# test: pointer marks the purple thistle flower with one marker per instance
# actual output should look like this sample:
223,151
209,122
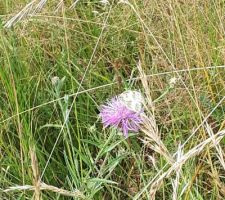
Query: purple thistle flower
115,113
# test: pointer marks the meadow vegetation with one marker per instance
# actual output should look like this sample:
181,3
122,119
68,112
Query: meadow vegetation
59,63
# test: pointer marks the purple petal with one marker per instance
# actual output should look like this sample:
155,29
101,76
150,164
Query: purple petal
114,113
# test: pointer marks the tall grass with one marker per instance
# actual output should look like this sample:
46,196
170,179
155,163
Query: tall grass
60,60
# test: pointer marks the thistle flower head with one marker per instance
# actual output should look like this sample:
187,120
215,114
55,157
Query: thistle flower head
117,113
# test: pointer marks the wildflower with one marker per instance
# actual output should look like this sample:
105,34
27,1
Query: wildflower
117,113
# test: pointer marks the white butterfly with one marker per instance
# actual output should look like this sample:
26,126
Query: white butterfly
134,100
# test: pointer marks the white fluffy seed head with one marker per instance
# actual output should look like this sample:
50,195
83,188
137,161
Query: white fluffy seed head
134,100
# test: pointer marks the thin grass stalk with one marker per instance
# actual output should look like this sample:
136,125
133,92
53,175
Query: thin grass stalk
43,186
215,139
36,175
